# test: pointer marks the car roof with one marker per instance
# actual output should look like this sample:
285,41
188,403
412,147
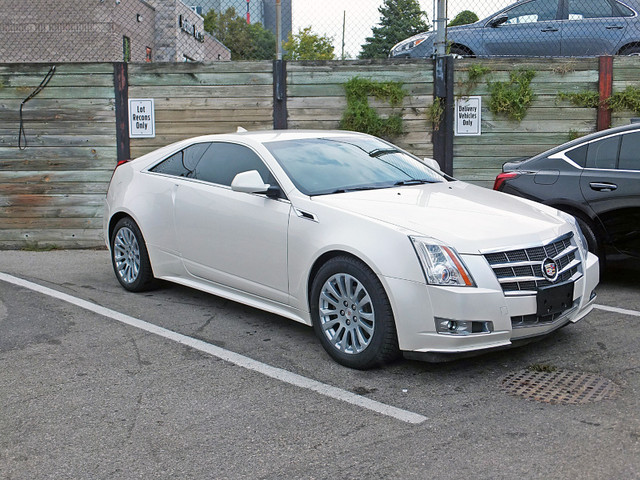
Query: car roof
263,136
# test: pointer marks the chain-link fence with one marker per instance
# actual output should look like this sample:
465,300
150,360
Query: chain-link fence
211,30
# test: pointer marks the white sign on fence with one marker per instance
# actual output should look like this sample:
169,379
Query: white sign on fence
468,116
142,118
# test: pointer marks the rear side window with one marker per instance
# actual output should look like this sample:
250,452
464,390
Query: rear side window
578,155
624,10
603,153
579,9
171,166
630,152
223,161
183,163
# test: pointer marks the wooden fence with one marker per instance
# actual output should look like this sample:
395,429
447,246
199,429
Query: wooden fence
51,193
549,121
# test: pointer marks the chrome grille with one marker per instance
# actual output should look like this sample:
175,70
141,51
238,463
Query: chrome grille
520,271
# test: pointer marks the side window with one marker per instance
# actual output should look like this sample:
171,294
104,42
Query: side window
534,11
630,152
223,161
193,154
578,155
603,153
579,9
172,166
624,10
183,163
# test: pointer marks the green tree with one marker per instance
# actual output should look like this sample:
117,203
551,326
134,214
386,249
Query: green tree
306,45
399,19
246,41
463,18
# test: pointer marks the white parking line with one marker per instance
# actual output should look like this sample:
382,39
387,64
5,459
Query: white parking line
231,357
624,311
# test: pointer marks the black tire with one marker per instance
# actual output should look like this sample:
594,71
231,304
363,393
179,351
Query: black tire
631,51
129,257
356,326
463,52
593,245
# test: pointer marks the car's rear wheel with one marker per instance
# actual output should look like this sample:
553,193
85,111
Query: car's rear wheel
130,258
352,315
633,51
458,51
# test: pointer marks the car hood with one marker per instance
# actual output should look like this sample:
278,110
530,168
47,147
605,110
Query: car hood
469,218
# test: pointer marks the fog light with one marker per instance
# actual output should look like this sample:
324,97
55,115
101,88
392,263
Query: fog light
462,327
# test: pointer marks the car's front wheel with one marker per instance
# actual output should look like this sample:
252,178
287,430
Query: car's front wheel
352,315
130,258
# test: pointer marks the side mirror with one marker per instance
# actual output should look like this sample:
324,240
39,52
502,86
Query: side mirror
499,20
251,182
432,164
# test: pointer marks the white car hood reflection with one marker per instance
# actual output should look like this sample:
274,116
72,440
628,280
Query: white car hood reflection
467,217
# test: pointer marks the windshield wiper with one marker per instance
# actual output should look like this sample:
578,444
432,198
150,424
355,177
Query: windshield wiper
382,151
357,189
414,181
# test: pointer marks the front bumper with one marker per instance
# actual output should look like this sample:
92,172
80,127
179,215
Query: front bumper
417,306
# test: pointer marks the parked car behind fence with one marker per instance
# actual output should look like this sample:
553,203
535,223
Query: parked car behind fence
548,28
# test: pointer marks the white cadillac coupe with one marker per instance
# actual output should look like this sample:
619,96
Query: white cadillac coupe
377,249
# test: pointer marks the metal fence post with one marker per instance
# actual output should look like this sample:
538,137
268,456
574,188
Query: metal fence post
443,133
121,91
280,94
440,42
605,88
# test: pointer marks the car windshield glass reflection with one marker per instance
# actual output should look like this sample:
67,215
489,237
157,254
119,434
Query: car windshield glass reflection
341,164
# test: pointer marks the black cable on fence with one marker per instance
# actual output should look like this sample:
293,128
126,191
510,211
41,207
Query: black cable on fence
47,78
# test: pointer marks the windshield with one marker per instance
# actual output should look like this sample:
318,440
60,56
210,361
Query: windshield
319,166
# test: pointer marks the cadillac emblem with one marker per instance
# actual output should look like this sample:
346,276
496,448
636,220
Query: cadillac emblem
550,269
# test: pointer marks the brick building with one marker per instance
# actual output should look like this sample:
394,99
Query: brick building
104,31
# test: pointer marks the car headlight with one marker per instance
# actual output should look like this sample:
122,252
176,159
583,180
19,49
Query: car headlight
412,42
581,241
441,264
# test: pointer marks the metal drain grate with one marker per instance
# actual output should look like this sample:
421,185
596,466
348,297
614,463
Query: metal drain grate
560,387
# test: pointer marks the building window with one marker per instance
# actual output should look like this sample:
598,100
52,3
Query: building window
147,58
126,49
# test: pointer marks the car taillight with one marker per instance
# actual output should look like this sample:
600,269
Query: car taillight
120,162
500,179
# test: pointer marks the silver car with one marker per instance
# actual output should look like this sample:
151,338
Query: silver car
548,28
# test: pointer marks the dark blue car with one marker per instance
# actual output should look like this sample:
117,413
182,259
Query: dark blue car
548,28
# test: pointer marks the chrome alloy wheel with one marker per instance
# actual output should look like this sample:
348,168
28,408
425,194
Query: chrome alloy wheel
126,255
347,317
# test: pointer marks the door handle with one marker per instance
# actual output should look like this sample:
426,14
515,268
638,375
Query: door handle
550,29
603,187
614,27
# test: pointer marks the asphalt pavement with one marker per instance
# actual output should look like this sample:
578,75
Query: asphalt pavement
100,383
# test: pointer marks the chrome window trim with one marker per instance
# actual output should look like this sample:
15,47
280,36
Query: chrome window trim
562,155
